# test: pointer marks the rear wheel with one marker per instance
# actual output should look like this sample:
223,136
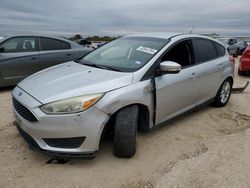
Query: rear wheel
223,94
126,131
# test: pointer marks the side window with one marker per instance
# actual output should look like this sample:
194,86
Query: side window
53,44
20,44
204,50
220,49
181,53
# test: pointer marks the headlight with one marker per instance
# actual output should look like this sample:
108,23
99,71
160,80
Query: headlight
72,105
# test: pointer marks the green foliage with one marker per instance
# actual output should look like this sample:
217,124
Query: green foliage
77,37
98,38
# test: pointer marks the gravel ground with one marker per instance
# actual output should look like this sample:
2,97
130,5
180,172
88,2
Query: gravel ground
207,148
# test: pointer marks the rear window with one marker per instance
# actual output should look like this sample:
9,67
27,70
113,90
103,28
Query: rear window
205,50
53,44
220,49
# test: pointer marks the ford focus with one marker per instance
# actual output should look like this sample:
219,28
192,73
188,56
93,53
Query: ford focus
137,82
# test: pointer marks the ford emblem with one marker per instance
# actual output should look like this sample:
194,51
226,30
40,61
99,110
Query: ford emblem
20,93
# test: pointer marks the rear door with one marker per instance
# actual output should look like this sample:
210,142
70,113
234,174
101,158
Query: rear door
19,59
54,51
177,93
209,67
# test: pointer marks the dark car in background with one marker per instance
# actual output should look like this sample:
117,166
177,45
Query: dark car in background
85,43
234,46
21,56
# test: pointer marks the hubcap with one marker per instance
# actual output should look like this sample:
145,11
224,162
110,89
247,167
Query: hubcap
225,92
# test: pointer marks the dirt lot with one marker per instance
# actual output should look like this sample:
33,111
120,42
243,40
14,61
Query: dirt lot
208,148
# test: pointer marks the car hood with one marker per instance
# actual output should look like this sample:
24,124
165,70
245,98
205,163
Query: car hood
72,79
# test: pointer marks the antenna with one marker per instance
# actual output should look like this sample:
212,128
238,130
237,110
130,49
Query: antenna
192,29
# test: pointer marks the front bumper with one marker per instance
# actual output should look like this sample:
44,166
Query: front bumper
35,147
85,128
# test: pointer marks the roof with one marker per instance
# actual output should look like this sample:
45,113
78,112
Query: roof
168,35
36,35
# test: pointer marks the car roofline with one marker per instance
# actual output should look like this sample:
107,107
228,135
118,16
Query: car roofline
36,35
169,35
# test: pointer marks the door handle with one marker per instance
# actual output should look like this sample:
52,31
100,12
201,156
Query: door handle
33,58
68,54
193,76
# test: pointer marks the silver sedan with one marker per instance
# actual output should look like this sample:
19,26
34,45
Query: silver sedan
137,82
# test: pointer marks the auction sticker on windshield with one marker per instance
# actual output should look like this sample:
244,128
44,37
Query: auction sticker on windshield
147,50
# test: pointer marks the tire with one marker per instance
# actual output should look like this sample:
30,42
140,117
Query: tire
126,131
223,94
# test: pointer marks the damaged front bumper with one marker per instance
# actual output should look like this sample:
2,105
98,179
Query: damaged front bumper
69,135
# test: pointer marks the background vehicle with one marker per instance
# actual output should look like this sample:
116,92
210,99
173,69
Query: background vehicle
244,65
247,41
234,46
86,43
132,83
21,56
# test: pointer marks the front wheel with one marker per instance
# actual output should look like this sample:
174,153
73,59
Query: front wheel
223,94
126,131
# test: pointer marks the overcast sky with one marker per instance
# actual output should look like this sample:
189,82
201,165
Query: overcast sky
119,17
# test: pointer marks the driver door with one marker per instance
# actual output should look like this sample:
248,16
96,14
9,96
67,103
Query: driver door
177,93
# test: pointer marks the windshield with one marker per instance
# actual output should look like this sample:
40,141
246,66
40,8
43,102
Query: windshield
126,54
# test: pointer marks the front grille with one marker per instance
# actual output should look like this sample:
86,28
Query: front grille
23,111
65,142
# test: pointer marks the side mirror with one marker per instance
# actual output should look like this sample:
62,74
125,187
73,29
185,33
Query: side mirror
1,49
170,67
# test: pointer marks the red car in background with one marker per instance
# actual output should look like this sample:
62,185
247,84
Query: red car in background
244,65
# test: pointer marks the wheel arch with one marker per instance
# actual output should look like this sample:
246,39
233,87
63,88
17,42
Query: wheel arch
230,78
144,115
143,121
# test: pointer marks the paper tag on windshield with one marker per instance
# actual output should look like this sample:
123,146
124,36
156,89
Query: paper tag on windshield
147,50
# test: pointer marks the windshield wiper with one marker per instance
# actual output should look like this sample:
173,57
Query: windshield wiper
102,66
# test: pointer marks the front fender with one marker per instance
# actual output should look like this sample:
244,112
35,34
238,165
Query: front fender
138,93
